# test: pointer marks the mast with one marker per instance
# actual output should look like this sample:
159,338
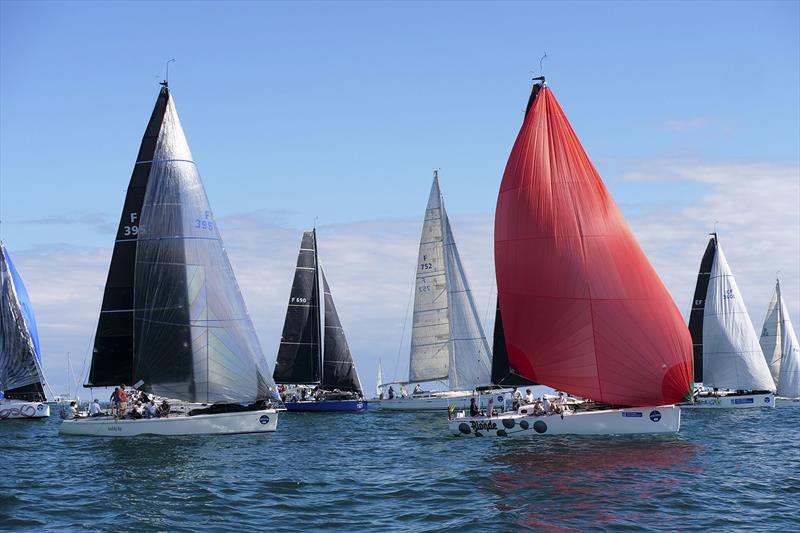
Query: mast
320,309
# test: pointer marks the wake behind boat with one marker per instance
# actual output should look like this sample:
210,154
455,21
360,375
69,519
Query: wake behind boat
306,356
730,371
447,338
173,321
583,311
21,376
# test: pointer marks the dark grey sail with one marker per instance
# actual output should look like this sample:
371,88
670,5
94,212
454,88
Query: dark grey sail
338,369
21,375
299,360
112,356
502,373
698,306
191,338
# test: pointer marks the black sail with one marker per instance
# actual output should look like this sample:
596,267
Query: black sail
502,373
338,369
699,305
299,357
112,357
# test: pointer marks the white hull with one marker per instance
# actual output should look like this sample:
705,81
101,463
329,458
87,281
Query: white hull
217,424
629,421
746,401
14,409
782,402
437,401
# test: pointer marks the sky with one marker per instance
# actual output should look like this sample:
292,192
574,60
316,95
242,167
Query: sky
340,111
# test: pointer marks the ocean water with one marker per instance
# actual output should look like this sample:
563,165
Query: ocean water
726,470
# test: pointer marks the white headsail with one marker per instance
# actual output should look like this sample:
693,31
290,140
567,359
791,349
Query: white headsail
732,357
771,334
780,346
447,339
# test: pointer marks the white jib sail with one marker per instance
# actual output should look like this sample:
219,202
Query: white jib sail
470,363
379,384
771,334
732,357
789,380
430,330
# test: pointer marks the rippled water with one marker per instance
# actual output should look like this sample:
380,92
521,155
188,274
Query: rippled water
403,471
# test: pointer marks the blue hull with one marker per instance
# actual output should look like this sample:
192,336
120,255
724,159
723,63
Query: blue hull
327,406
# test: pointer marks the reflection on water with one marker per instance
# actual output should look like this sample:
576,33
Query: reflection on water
559,483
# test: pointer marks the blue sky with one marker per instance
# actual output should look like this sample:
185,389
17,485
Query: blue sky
341,110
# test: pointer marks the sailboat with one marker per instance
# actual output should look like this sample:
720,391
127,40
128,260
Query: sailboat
447,338
583,310
729,368
173,322
308,357
781,350
21,377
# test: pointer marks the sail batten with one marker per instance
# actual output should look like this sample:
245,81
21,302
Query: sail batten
582,308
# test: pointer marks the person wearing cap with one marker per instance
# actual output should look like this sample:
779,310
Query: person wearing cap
547,404
94,408
561,403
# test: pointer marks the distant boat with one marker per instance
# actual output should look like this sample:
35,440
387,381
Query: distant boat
781,349
583,311
308,357
447,339
21,377
728,361
173,322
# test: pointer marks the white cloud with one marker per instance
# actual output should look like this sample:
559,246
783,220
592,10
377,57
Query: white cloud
371,264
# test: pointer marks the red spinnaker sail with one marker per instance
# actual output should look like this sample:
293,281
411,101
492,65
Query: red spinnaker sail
583,309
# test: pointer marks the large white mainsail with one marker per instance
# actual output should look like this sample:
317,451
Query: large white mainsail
732,357
780,346
447,339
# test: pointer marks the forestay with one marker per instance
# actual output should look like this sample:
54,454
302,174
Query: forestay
732,357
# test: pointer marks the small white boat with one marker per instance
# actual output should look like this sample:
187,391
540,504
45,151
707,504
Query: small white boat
261,421
728,358
173,321
731,401
632,420
19,409
583,310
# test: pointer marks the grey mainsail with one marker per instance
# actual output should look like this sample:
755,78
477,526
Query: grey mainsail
447,338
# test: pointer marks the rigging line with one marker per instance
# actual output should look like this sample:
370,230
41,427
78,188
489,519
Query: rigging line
405,322
488,304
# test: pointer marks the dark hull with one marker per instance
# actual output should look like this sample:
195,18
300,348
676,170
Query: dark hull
327,406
